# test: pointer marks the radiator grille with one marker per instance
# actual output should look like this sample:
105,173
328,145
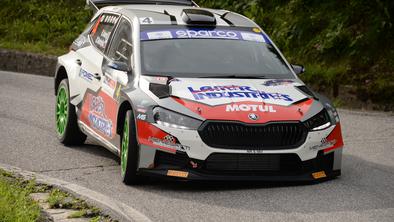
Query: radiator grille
271,136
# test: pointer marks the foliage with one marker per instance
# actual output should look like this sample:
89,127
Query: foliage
347,42
15,204
41,25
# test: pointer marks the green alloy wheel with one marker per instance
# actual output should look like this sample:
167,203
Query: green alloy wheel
129,152
61,110
67,128
125,146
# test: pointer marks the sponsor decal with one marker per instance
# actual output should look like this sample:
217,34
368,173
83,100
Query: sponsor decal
252,37
324,143
168,143
160,35
109,82
249,108
233,91
85,75
109,85
256,30
97,117
278,82
204,34
255,151
170,139
141,116
207,34
141,109
80,41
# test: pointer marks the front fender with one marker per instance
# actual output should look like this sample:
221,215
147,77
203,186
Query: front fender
68,64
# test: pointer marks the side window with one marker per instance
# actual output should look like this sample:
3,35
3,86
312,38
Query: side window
121,48
90,26
102,30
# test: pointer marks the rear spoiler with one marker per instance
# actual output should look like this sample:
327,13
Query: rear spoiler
95,5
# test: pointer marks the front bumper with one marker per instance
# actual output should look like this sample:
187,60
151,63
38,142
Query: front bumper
276,168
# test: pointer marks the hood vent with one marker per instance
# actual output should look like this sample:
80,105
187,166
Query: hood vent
198,17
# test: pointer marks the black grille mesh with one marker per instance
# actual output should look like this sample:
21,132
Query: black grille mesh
253,162
233,135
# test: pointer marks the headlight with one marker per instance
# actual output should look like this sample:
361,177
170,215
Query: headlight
168,118
320,121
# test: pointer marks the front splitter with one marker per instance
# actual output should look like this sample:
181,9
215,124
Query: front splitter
193,175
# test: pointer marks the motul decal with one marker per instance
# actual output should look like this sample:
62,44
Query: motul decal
241,111
250,108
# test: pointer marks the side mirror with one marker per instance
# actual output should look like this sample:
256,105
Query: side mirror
298,69
119,71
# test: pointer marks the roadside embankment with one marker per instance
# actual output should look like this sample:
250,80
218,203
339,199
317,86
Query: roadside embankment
25,62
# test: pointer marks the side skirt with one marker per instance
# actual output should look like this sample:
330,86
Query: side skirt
86,129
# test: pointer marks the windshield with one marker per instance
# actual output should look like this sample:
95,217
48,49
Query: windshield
201,52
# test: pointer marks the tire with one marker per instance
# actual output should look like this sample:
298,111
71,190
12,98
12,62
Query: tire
129,152
67,129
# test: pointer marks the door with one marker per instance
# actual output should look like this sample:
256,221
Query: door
92,57
97,106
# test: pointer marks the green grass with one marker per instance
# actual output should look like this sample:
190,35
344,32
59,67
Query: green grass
63,200
42,26
86,213
15,204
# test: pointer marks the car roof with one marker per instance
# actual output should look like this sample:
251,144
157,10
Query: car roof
172,14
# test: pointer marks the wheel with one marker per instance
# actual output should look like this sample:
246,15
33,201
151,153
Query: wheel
129,154
67,128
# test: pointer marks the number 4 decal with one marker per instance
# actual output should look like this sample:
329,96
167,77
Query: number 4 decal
146,20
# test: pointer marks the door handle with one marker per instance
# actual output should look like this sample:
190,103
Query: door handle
79,62
97,76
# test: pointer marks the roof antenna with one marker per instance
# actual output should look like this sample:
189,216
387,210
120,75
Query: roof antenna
90,4
195,4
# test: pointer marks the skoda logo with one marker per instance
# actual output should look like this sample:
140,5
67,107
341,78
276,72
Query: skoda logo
253,116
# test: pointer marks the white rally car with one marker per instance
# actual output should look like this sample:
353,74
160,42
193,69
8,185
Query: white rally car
184,92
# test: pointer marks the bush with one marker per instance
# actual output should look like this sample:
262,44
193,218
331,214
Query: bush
51,26
346,42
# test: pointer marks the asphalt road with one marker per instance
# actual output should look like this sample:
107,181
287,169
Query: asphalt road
365,191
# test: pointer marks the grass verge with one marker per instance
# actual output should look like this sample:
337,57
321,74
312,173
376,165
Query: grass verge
15,203
62,200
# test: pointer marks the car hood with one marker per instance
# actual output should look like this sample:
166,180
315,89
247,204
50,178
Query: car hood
215,92
242,99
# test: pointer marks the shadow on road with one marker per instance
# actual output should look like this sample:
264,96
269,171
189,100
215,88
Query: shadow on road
361,186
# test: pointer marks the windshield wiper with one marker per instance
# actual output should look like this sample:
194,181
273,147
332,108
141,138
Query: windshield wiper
234,77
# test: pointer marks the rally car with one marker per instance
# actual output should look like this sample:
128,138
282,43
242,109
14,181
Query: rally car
183,92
